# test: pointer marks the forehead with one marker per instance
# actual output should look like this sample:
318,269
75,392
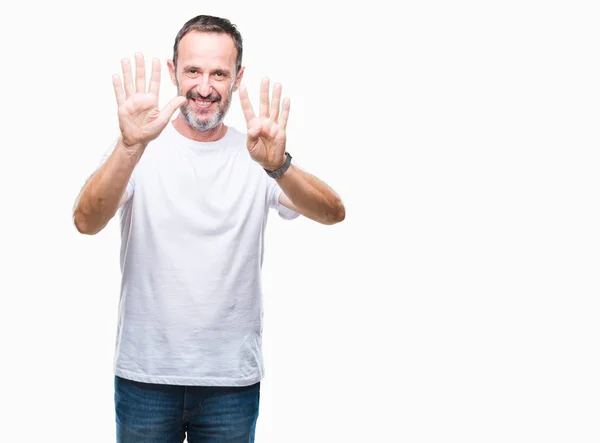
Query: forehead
207,48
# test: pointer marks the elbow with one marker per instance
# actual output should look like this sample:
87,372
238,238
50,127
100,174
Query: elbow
337,215
82,225
340,213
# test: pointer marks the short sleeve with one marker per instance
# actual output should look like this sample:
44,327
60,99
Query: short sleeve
130,184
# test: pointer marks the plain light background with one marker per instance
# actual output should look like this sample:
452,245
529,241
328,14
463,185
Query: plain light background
458,301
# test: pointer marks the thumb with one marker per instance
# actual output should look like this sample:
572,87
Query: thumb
169,110
253,132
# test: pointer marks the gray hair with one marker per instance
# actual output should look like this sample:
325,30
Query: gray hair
208,23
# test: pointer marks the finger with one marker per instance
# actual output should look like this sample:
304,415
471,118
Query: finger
169,110
155,77
285,112
274,115
246,105
253,133
119,94
127,81
140,73
263,110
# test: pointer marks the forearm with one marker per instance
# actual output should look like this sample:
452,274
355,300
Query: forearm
101,195
313,198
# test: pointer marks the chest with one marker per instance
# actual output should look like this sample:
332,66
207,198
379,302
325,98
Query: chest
207,193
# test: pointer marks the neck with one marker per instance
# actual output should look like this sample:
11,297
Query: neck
211,135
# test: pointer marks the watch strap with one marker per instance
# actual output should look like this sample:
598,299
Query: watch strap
279,172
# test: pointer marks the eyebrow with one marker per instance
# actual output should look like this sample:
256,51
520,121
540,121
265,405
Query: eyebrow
198,68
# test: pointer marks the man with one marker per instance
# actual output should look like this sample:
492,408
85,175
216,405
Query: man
194,198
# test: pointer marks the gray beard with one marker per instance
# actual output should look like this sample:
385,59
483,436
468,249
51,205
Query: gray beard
202,125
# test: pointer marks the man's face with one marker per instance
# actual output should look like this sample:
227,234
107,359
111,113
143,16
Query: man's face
206,76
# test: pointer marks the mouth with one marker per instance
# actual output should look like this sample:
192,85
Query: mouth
203,104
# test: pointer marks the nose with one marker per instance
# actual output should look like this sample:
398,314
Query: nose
204,86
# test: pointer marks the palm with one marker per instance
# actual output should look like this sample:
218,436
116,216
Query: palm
137,118
269,146
266,138
140,120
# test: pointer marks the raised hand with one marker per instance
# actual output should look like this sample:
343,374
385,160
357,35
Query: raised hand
140,120
266,133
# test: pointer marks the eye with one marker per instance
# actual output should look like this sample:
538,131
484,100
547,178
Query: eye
220,74
192,72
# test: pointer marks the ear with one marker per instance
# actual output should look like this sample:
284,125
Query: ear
238,78
172,71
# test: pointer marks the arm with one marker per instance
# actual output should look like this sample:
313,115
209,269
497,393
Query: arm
266,141
104,192
309,196
140,122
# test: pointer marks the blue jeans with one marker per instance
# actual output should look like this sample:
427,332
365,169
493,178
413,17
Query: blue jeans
152,413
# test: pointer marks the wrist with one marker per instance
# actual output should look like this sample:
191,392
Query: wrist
131,151
281,169
274,166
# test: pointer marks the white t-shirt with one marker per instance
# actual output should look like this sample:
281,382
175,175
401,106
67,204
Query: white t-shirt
192,236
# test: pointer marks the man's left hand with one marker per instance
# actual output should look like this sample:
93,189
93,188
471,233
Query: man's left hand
266,133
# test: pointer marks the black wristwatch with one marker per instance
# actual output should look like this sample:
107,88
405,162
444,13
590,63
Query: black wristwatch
279,172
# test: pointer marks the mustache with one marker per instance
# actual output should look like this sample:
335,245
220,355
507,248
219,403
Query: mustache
194,95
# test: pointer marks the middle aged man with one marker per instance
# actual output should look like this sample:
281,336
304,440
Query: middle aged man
194,198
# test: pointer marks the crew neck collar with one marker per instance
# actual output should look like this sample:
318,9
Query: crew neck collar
201,146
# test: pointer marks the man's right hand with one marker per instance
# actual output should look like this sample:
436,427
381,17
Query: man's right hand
140,120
